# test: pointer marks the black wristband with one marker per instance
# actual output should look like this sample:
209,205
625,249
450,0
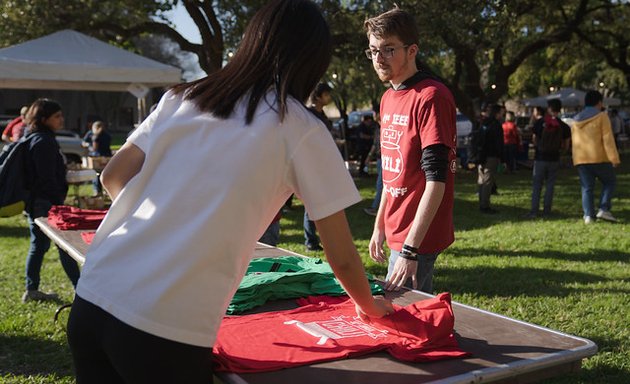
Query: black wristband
410,248
405,254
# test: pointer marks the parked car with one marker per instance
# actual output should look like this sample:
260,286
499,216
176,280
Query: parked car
71,146
69,142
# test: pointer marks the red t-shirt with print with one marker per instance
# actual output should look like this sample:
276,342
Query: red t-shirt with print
412,119
419,332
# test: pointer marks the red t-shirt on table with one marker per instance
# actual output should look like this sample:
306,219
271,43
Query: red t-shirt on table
412,119
419,332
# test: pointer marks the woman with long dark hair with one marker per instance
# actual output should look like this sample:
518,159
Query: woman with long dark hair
47,171
193,188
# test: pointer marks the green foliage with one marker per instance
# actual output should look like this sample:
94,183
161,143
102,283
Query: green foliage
21,20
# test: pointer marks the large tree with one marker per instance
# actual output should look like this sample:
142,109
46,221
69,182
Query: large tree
608,33
480,44
476,46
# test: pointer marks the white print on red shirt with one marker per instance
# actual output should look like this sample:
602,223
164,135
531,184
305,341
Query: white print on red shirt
391,157
395,192
338,328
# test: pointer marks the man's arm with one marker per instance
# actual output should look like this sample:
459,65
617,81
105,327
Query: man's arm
429,204
610,147
435,161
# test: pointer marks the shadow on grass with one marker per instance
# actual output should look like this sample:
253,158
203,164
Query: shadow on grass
514,281
25,356
595,255
16,232
599,374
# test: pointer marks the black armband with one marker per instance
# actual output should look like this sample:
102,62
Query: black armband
435,162
410,248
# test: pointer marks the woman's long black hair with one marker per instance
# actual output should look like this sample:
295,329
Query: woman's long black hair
286,47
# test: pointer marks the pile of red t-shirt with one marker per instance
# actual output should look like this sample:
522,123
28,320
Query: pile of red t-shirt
88,237
64,217
419,332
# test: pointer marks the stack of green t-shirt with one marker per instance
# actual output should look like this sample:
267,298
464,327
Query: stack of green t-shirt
287,277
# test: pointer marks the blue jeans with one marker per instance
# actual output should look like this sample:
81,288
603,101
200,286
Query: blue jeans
379,184
544,171
424,275
40,243
606,175
310,232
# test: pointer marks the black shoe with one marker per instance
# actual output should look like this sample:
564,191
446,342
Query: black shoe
488,211
314,247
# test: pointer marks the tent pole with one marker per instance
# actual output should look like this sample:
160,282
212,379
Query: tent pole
142,109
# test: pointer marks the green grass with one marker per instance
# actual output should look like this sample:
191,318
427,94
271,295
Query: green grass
558,273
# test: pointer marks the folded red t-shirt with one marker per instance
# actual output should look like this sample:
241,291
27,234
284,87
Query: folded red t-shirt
419,332
65,217
88,237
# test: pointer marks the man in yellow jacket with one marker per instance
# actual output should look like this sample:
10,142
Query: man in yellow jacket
595,154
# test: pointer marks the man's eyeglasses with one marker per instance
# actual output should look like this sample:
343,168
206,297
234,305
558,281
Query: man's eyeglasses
386,53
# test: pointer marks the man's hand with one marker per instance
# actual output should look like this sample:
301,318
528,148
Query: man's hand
403,270
382,307
377,253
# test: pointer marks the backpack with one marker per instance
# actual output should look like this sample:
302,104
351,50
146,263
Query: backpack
15,182
551,137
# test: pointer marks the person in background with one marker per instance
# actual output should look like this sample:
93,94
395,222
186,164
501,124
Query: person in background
511,141
551,137
366,139
376,151
16,127
595,156
616,124
98,141
418,153
47,171
490,157
189,204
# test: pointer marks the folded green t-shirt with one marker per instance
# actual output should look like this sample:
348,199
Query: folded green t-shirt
287,277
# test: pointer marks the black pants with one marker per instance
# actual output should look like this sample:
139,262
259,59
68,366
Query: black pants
106,350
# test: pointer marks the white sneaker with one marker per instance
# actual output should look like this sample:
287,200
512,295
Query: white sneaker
606,215
588,220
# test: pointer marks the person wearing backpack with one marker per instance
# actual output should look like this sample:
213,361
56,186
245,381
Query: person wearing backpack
595,156
550,136
47,172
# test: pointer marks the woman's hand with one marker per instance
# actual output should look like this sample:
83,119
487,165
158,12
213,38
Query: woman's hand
382,307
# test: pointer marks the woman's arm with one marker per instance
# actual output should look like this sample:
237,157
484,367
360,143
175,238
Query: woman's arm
347,266
121,168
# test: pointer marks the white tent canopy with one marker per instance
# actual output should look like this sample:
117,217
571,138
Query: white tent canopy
570,98
69,60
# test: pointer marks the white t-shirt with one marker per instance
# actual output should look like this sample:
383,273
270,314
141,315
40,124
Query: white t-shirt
177,240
